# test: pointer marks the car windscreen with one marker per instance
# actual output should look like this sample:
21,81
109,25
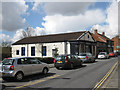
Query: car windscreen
8,61
82,54
60,57
101,53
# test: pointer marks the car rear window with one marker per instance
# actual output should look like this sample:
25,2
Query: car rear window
82,54
101,53
59,57
8,61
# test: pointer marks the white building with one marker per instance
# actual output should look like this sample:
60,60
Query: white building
45,45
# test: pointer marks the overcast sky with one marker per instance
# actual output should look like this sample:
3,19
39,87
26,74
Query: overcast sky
57,17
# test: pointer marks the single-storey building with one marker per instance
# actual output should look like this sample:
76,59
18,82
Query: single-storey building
48,45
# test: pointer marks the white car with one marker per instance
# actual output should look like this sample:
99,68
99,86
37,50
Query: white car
103,55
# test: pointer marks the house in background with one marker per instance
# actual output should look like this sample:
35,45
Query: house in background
116,40
103,43
5,52
45,45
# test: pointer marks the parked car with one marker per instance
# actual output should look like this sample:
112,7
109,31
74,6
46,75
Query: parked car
86,57
103,55
112,54
67,61
20,67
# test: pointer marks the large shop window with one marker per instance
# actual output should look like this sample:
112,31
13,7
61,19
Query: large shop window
44,51
23,51
32,51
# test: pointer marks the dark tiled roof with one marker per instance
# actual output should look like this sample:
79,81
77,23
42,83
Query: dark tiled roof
50,38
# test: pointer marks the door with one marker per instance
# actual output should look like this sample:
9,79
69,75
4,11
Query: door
23,65
36,65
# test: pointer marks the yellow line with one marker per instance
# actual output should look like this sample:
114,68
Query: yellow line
38,81
105,77
114,70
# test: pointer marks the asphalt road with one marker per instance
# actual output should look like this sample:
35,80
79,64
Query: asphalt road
86,76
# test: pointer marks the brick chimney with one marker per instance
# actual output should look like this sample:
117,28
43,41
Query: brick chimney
95,31
103,33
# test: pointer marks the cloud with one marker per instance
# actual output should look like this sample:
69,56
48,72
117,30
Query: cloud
111,29
5,38
63,8
60,23
11,15
66,8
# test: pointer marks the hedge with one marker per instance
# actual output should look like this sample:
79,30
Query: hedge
46,60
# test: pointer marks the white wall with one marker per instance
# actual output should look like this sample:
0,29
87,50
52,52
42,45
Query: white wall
38,47
85,37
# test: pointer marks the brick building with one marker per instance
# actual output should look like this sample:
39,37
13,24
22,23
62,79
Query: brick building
116,40
103,43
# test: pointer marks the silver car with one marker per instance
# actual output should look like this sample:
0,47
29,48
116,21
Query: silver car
86,57
20,67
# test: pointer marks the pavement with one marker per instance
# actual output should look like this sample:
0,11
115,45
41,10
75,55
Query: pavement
113,80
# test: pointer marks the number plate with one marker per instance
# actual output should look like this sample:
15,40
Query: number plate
59,61
82,58
3,73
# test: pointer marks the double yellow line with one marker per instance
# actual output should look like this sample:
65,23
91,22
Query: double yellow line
105,77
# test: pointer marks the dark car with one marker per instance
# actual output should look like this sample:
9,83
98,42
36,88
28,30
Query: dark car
67,61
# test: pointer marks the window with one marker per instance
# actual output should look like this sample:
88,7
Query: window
44,51
32,51
17,52
23,61
34,61
8,62
23,51
88,36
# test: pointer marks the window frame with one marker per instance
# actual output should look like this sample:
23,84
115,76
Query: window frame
44,53
22,51
33,51
17,52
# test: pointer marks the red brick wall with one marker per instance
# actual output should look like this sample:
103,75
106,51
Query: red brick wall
116,43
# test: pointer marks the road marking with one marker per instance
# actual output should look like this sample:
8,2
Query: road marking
105,77
35,82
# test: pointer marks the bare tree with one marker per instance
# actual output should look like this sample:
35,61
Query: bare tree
5,44
28,32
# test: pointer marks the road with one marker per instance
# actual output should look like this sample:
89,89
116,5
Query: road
86,76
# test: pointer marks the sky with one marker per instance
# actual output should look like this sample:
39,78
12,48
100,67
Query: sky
57,17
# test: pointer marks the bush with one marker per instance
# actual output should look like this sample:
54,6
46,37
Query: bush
46,60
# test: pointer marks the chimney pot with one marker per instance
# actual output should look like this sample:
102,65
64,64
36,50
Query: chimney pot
95,31
103,33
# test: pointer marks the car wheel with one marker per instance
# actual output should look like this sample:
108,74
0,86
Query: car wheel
45,71
19,76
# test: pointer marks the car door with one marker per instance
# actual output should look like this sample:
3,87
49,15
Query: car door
23,65
36,65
